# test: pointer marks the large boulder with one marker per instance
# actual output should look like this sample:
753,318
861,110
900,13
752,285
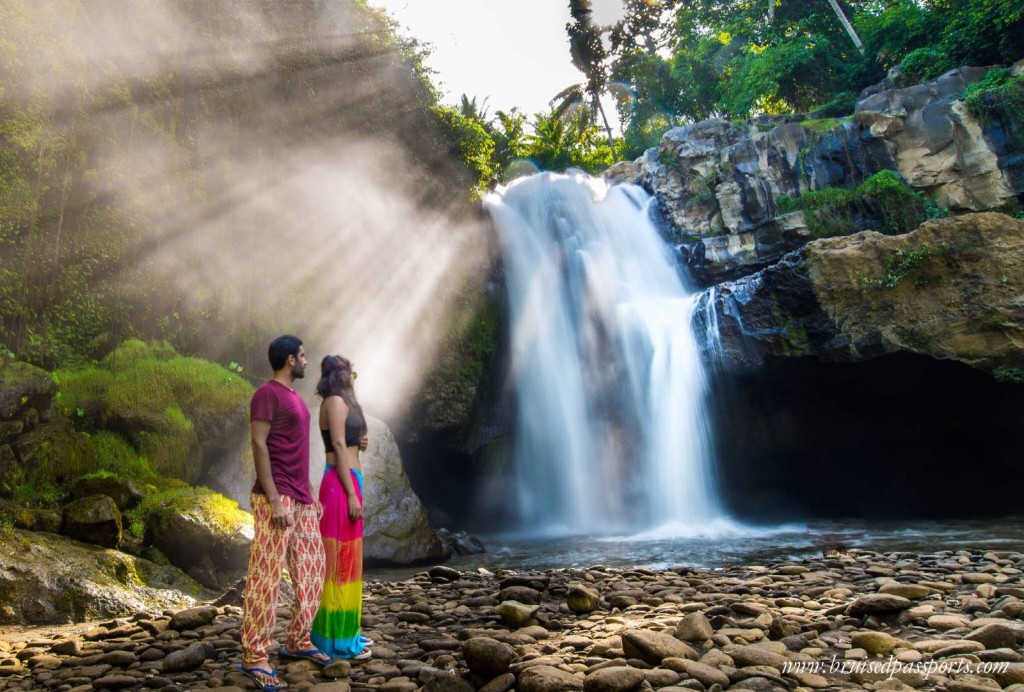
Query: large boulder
51,453
93,519
50,579
396,528
24,387
395,523
228,465
123,491
949,290
203,533
35,446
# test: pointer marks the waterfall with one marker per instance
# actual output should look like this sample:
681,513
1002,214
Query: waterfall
611,430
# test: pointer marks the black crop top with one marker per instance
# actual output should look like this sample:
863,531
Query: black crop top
354,425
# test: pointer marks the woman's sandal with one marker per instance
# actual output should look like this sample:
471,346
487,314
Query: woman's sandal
362,655
264,679
315,655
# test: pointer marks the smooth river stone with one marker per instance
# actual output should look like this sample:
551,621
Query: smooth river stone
912,591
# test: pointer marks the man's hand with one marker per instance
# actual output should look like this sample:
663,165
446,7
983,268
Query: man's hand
280,517
319,509
364,441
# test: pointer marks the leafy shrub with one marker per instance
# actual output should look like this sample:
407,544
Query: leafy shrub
925,63
840,106
833,211
998,94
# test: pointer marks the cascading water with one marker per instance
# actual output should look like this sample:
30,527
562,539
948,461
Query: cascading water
611,429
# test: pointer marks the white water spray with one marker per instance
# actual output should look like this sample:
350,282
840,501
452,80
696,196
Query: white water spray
611,429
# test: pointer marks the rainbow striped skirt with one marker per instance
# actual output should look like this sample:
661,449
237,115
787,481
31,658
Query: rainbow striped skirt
336,627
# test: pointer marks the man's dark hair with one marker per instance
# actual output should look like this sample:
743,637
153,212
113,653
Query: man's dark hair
281,348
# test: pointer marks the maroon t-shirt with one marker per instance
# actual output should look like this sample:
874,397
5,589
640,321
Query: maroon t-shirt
288,441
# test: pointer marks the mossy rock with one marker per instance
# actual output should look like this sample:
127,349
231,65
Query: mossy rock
49,579
24,386
200,531
123,491
94,519
52,454
29,518
171,409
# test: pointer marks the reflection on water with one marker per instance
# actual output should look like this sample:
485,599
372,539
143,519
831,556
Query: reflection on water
730,544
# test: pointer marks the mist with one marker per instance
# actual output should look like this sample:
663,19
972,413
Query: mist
258,167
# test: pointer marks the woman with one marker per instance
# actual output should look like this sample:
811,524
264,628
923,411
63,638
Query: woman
336,627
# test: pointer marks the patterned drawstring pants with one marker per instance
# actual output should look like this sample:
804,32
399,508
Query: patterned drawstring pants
301,548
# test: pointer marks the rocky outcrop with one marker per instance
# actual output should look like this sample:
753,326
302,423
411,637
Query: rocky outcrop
953,290
716,183
51,579
939,148
395,523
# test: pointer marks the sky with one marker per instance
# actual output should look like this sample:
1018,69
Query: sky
511,52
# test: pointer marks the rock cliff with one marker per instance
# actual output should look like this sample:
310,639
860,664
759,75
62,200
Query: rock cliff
720,187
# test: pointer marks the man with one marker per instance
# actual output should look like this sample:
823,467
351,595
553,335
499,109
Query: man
286,518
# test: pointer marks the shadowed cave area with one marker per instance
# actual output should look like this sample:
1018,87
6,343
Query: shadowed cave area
902,436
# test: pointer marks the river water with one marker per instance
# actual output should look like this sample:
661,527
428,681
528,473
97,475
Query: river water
750,545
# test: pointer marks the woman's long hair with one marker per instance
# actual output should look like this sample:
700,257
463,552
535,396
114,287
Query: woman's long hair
336,380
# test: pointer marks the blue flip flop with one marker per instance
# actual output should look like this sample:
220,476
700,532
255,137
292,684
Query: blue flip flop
254,675
310,655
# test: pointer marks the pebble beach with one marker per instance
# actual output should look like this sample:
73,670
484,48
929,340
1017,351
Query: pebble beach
852,620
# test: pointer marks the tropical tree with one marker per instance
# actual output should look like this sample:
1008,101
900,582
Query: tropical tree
588,55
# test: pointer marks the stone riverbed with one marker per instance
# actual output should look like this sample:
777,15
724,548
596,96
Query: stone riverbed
854,620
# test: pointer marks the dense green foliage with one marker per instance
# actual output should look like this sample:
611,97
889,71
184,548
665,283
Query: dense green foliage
686,61
833,211
999,94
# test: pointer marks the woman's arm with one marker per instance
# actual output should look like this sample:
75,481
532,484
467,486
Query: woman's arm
337,412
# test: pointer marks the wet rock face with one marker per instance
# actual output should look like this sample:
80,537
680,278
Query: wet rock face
949,290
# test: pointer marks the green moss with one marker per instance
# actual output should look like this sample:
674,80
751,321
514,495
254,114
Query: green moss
795,340
115,457
159,396
209,506
832,211
39,493
822,126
